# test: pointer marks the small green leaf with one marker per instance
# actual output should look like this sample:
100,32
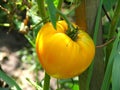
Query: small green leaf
52,12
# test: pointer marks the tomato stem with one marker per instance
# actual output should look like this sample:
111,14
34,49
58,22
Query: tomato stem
46,82
68,22
72,31
43,14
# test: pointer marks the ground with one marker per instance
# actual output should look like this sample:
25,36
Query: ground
10,43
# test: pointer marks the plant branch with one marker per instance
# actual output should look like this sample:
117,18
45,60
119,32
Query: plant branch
4,9
106,43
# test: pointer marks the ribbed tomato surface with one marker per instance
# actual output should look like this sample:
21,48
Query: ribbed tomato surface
59,55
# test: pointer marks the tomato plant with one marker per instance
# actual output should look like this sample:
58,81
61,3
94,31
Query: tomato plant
60,56
64,49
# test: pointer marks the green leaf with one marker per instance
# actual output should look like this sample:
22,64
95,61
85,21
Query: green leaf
96,30
9,80
52,12
109,4
112,32
115,20
98,18
116,71
107,77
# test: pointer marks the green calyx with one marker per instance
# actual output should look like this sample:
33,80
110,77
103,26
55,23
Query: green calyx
73,33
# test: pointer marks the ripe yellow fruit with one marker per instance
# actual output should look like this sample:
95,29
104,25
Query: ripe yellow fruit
59,55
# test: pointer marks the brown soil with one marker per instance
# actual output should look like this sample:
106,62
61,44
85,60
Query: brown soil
10,62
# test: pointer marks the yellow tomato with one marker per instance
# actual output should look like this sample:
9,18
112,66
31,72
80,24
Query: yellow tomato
59,55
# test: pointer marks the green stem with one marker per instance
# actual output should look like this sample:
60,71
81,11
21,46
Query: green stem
59,4
43,14
58,88
72,31
34,84
59,8
66,19
46,82
30,41
42,10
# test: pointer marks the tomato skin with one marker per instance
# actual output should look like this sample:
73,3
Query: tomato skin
59,55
